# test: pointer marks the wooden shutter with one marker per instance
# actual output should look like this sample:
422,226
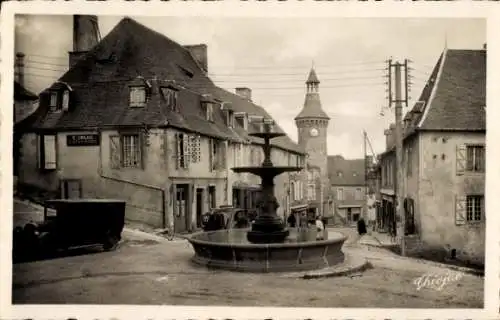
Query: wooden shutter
49,143
460,210
178,149
187,150
211,154
65,100
222,154
39,152
143,148
114,152
461,159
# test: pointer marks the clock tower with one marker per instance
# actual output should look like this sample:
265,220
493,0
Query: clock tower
312,125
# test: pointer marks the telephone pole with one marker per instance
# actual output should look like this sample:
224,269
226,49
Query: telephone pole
398,110
365,204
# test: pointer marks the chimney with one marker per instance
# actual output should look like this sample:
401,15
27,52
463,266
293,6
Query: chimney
244,93
86,35
199,53
19,68
484,46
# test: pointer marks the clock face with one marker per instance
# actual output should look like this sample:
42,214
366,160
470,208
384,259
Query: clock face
314,132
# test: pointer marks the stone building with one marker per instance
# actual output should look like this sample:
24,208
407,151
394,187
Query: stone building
312,125
347,188
136,117
444,156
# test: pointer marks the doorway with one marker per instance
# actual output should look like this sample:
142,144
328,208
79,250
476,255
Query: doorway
181,207
212,197
199,207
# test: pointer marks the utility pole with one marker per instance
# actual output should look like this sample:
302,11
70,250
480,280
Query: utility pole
398,110
365,205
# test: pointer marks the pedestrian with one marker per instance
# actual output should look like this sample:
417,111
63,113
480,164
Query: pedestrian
361,227
292,221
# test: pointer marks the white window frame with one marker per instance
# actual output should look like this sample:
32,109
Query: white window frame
47,145
209,109
54,99
474,208
340,194
131,150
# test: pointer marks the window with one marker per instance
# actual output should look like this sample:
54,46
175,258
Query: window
311,192
358,195
470,158
194,147
339,174
292,191
65,101
469,209
217,150
212,197
137,96
131,150
183,150
237,149
474,208
475,158
46,153
53,100
409,162
209,108
241,119
340,194
230,118
170,97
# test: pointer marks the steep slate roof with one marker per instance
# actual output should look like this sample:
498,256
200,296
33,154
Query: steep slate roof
312,104
100,88
21,93
353,171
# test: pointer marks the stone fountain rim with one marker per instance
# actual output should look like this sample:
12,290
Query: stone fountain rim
192,239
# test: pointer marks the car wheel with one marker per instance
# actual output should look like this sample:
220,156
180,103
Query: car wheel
111,243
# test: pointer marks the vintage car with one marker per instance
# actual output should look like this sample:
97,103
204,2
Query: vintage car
226,217
73,223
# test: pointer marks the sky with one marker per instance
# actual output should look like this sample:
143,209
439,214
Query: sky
273,57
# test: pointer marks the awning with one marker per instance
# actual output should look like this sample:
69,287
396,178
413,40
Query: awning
245,185
389,192
299,207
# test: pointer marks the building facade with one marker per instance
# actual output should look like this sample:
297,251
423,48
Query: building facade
347,188
147,125
312,126
444,161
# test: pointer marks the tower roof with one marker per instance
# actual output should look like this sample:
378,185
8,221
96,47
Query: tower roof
313,78
312,104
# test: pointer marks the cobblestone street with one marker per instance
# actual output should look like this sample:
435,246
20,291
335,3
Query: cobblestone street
150,270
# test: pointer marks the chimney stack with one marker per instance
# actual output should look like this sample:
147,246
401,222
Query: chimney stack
86,35
484,46
19,68
199,53
244,93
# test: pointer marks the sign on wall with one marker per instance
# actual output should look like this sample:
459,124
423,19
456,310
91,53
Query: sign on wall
76,140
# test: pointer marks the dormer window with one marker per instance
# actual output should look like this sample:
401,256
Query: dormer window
137,97
207,103
59,96
241,119
138,92
170,96
53,99
230,118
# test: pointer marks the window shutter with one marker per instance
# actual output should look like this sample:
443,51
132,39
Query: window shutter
143,149
211,154
114,152
178,149
65,100
460,210
461,159
50,152
222,155
187,149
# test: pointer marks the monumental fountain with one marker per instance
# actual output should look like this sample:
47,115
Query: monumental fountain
269,246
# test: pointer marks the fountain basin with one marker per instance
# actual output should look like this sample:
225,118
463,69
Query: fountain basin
230,250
